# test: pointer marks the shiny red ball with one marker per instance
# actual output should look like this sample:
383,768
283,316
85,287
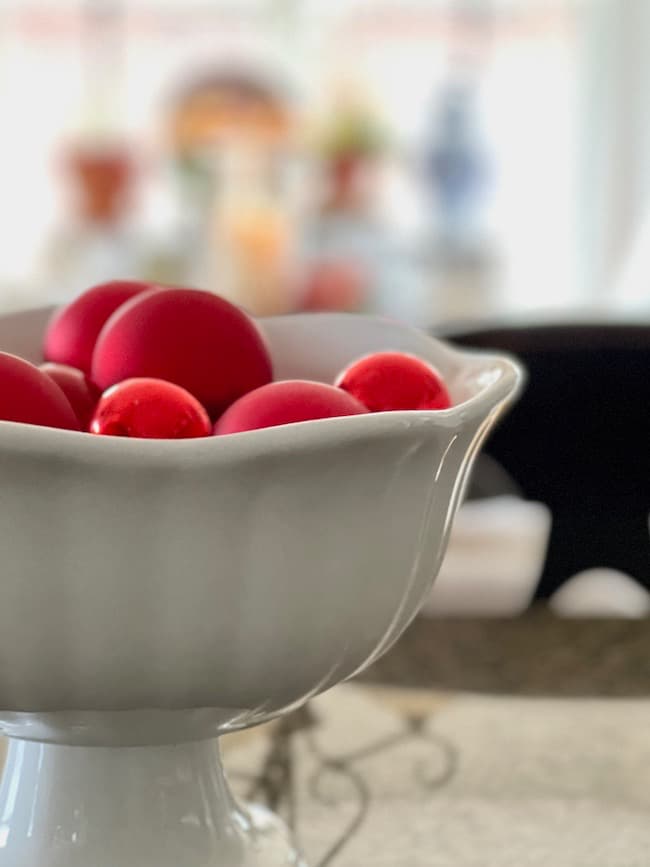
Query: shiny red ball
73,330
28,395
192,338
82,394
151,409
286,402
395,381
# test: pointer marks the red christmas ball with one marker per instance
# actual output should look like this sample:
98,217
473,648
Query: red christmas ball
192,338
73,330
394,381
28,395
149,408
286,402
82,394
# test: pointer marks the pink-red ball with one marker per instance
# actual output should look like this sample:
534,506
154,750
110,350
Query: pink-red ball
395,381
73,330
186,336
287,402
151,409
28,395
82,394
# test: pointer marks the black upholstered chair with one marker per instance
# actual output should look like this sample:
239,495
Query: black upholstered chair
578,440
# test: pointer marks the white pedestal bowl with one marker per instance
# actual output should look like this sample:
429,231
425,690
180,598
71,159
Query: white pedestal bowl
158,594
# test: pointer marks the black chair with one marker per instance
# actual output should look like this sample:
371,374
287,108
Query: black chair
578,441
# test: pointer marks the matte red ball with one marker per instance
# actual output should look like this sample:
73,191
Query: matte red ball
151,409
395,381
73,330
82,394
186,336
28,395
286,402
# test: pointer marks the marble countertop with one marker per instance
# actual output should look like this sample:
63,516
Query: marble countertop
395,777
472,743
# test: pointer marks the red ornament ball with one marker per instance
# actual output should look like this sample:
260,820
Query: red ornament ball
395,381
28,395
286,402
73,330
82,394
151,409
186,336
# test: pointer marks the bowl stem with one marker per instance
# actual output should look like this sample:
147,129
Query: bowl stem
156,806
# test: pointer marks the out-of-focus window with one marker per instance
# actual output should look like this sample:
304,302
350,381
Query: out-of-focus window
451,149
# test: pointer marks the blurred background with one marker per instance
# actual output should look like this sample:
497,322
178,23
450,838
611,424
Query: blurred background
437,161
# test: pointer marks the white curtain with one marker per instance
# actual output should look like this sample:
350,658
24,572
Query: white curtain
614,152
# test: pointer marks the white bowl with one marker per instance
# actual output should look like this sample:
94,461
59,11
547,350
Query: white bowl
160,593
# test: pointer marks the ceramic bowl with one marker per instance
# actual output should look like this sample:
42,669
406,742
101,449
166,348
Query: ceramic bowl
157,594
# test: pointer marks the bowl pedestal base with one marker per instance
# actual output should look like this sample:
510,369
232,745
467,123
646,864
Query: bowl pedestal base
146,806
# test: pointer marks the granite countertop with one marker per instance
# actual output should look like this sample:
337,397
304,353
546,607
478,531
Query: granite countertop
538,654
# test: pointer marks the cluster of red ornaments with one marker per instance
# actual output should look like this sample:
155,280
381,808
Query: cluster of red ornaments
137,360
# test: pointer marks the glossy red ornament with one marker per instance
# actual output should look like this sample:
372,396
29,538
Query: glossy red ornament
28,395
286,402
186,336
72,332
395,381
82,394
149,408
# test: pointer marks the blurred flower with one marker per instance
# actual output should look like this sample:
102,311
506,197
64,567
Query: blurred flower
352,129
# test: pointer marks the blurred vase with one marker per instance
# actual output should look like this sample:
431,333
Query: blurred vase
458,170
231,138
346,173
102,178
251,232
96,241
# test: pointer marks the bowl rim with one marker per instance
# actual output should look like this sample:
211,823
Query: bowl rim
504,378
